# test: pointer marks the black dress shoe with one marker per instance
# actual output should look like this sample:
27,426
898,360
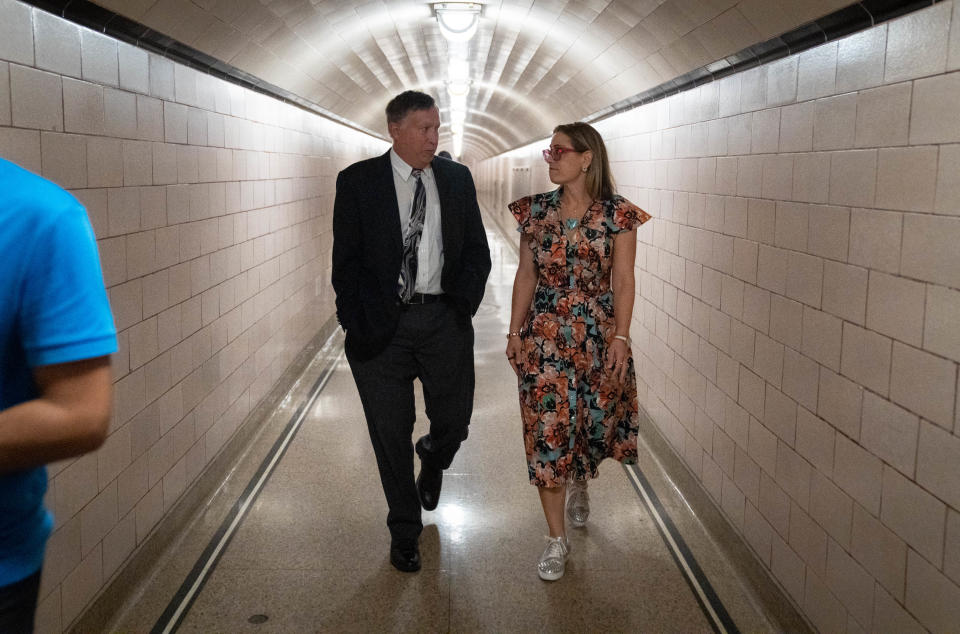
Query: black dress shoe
428,486
405,555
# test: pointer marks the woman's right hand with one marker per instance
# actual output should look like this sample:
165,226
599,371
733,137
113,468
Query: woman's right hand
513,352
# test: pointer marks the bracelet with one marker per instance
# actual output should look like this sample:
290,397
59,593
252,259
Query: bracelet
623,338
515,333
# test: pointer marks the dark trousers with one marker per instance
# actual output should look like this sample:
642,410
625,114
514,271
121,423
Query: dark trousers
18,602
433,343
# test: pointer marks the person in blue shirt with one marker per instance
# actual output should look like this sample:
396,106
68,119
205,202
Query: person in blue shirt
56,335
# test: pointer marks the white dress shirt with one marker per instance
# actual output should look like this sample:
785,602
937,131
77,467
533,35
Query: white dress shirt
430,252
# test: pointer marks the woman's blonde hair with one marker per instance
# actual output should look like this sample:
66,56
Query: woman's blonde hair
584,137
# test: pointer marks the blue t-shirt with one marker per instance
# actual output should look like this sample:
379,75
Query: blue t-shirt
53,309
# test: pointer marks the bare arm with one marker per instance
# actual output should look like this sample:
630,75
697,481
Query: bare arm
623,281
524,286
70,417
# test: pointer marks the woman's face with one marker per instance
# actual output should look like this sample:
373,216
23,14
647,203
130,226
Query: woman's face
568,167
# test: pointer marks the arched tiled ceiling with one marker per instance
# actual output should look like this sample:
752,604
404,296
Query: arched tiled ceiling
533,63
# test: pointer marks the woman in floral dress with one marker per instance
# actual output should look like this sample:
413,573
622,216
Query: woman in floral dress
568,340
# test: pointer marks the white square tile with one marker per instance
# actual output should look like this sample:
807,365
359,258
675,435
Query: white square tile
866,358
804,278
933,119
16,32
917,44
99,58
829,232
137,163
765,131
753,89
739,134
745,260
773,269
161,78
149,119
782,81
929,249
750,176
796,127
906,178
23,148
924,383
860,59
853,178
64,159
83,108
120,113
786,321
104,162
845,291
761,220
875,238
57,44
821,337
883,115
890,432
811,177
834,122
37,99
895,307
134,68
817,72
792,220
175,122
777,177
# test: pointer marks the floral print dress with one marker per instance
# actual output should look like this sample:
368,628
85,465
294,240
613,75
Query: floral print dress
574,411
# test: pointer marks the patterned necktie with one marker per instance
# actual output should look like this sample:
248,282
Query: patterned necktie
411,241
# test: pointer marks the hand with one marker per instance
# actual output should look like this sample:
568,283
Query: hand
513,353
617,357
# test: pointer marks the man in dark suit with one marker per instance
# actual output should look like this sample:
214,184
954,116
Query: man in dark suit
410,261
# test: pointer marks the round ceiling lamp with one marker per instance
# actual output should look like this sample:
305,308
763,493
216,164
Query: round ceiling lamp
458,21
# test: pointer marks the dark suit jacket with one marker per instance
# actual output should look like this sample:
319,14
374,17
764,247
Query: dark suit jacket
367,249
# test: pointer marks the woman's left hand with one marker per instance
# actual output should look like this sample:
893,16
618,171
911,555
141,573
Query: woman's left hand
618,355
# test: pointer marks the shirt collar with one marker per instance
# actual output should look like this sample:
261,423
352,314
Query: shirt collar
402,168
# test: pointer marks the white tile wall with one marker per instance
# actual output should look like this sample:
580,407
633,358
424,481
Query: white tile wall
213,230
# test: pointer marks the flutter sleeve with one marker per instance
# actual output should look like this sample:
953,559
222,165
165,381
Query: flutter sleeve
626,215
521,210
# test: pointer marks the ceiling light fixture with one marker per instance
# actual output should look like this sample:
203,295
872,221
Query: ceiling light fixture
458,88
458,21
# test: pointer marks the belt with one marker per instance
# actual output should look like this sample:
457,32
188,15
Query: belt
423,298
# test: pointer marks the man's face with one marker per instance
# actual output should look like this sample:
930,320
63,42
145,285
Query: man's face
415,137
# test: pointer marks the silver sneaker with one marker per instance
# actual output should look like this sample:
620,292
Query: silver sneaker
578,503
554,558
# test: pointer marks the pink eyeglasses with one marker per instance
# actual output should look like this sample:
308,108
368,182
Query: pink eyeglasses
555,153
